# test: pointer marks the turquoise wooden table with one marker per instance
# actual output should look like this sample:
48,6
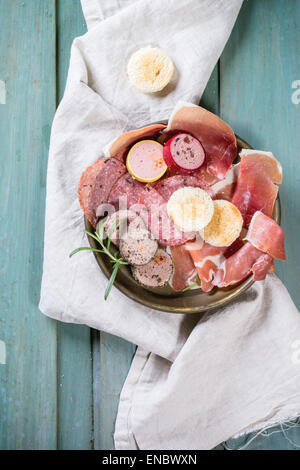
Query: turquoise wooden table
60,384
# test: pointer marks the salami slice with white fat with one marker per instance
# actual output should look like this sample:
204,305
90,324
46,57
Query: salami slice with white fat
168,186
95,185
154,213
125,192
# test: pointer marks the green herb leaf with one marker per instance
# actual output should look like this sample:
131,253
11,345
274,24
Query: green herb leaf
92,235
114,258
111,231
84,248
100,232
195,284
111,280
190,287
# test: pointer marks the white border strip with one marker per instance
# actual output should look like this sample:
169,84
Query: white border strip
2,92
2,353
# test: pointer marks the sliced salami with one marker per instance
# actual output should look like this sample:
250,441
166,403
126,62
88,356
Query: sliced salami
125,192
169,185
95,185
154,213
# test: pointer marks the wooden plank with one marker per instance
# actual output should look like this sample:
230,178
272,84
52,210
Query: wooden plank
70,24
210,98
113,357
258,67
29,378
75,374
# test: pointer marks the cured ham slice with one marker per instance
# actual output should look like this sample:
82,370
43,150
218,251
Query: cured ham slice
184,269
262,266
168,186
256,189
154,213
118,147
207,259
237,267
236,245
216,137
266,161
266,235
205,176
224,189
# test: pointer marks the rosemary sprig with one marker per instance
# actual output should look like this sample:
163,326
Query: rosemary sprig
195,284
115,258
111,279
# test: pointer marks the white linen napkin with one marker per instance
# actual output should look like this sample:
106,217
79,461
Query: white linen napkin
98,105
238,372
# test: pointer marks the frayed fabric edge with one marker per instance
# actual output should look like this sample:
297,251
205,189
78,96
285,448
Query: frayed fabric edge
270,424
260,431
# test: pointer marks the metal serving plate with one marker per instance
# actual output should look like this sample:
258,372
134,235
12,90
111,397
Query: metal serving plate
165,298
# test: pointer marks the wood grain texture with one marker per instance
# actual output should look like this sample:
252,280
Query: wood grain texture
28,381
258,66
113,360
74,358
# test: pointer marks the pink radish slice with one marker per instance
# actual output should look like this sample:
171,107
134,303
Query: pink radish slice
184,152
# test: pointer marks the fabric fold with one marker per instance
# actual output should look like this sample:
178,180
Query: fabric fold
236,373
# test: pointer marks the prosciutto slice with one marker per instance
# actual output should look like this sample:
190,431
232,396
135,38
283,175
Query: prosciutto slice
266,162
207,259
119,146
256,189
262,266
215,135
237,267
266,235
184,269
225,188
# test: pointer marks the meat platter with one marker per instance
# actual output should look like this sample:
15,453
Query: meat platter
191,209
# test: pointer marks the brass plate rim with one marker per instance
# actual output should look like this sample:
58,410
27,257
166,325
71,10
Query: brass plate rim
229,296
